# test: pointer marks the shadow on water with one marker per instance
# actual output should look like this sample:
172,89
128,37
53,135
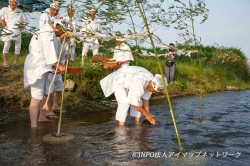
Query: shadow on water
222,138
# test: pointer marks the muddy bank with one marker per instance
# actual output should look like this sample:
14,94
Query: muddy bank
15,112
14,99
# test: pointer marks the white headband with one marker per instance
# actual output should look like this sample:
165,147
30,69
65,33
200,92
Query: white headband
15,1
92,9
60,22
157,82
120,39
171,53
55,5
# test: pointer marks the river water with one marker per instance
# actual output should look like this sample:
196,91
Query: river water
222,138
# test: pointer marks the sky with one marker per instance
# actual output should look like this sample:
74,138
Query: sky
228,25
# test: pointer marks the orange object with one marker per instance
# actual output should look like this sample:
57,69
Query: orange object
98,58
110,65
75,70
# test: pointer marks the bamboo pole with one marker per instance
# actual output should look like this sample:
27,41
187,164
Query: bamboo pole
165,84
65,76
199,60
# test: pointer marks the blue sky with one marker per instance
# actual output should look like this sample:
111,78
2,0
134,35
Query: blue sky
228,25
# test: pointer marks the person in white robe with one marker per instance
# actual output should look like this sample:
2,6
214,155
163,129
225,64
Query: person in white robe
13,22
89,27
122,54
50,14
132,85
41,60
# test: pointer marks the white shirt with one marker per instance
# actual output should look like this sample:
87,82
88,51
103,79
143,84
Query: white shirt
42,55
123,53
46,18
13,19
73,23
133,78
89,26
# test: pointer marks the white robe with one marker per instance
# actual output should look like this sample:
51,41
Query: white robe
123,53
42,55
132,78
89,26
13,19
46,18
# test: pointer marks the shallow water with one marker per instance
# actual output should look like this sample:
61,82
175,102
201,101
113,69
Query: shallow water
222,138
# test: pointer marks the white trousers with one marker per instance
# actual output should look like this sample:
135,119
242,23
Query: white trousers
121,95
7,46
37,89
56,86
58,83
86,48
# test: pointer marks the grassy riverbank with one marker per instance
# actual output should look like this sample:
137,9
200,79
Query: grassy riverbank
209,70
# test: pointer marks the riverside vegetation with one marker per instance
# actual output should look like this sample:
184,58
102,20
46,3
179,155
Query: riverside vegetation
221,67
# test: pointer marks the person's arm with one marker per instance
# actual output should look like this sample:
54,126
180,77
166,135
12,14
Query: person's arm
61,67
2,17
22,26
172,56
23,21
122,62
4,24
146,113
111,59
166,54
145,104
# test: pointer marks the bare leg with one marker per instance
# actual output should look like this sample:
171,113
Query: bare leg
83,58
16,58
57,98
34,111
121,123
42,114
49,113
5,59
137,119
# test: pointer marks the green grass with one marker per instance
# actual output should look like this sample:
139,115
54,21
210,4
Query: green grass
220,67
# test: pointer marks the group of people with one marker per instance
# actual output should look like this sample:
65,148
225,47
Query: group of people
131,85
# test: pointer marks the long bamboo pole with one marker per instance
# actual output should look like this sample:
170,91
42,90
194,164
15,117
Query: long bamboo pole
199,60
65,75
165,84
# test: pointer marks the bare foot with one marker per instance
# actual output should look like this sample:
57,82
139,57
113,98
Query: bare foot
43,120
121,123
51,115
57,108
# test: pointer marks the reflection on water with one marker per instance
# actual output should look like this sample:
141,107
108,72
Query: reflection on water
222,138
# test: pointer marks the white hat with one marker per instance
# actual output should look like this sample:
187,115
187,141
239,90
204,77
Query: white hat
92,9
157,82
121,39
171,53
55,5
60,22
15,1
